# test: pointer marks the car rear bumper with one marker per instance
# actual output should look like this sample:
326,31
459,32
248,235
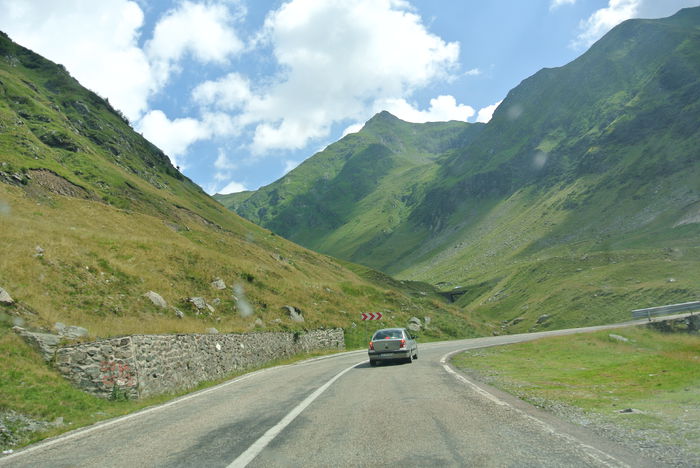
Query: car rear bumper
388,355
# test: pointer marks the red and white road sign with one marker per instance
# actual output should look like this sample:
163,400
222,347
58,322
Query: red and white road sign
371,316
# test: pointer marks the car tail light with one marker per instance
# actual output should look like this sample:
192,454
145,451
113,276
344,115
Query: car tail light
371,346
403,343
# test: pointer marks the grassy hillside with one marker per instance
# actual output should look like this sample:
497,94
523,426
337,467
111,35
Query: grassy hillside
593,165
346,198
93,216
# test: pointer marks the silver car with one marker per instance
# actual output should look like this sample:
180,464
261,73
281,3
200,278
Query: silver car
391,344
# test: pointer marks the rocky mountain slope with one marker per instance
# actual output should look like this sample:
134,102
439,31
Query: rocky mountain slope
582,192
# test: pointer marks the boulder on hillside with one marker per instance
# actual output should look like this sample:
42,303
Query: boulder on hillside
295,314
198,302
542,318
156,299
218,283
414,324
70,331
5,298
45,343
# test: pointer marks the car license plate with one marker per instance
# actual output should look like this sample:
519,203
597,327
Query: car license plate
386,355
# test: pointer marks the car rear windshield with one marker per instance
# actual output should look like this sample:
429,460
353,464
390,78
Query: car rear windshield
387,334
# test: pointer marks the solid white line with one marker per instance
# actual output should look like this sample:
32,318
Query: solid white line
260,444
121,419
598,455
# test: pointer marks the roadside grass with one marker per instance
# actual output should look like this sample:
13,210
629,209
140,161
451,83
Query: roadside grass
655,375
34,389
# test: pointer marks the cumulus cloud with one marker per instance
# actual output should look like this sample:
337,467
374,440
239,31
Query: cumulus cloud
71,31
442,108
232,187
202,30
172,136
617,11
224,169
223,162
228,93
557,3
354,128
484,115
338,58
289,165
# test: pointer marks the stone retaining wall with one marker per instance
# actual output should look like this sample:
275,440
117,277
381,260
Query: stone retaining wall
143,365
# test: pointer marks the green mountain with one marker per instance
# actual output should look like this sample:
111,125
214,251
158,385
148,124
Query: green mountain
579,200
348,195
93,216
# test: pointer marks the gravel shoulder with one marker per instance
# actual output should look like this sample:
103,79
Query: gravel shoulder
674,444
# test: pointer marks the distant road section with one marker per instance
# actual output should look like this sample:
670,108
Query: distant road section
340,411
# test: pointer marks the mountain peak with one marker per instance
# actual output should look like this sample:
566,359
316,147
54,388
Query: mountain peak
383,117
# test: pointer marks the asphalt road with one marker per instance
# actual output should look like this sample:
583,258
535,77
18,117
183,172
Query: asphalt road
338,411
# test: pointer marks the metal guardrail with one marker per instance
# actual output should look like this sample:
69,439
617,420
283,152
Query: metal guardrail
665,310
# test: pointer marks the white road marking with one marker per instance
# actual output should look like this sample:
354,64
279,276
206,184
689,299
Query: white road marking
118,420
598,455
260,444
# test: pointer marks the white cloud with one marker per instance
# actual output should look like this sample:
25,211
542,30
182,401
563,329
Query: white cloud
232,187
289,165
473,72
354,128
442,108
172,136
227,93
617,11
557,3
71,31
484,115
223,162
201,29
339,57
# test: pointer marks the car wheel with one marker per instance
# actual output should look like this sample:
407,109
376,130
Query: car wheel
409,359
415,356
372,363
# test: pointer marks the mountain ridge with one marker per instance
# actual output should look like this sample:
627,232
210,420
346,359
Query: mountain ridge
596,157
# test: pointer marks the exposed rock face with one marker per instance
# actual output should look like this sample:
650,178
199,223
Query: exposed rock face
198,302
45,343
542,318
70,332
156,299
5,297
16,427
414,324
295,314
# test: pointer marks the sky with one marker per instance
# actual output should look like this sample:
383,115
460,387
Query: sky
239,92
